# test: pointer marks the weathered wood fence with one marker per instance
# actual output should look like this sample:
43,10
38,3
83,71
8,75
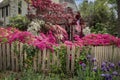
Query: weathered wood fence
9,60
106,53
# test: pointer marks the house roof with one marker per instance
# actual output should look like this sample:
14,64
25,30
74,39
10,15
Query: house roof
4,3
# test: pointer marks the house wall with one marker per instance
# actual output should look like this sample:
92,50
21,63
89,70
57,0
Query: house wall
24,8
13,9
57,1
4,18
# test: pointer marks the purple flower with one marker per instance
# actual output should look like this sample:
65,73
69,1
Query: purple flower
108,68
88,56
103,64
115,73
103,75
94,59
111,65
95,69
83,65
119,63
104,69
107,76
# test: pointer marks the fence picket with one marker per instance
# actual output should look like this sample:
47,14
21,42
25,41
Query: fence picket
73,59
53,58
78,53
1,57
68,59
48,59
21,56
17,56
4,56
12,57
25,58
35,63
8,55
44,59
39,60
101,55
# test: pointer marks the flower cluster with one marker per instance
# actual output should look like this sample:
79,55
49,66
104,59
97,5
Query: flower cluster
43,41
50,11
101,40
49,40
107,70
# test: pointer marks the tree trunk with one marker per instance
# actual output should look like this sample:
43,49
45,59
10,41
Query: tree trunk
118,22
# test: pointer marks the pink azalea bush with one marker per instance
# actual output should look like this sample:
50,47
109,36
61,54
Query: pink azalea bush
101,40
48,40
41,42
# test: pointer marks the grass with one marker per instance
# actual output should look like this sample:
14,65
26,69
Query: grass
30,75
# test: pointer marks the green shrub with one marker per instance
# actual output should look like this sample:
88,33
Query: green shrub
19,22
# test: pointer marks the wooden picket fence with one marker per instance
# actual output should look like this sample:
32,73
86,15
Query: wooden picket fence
106,53
9,60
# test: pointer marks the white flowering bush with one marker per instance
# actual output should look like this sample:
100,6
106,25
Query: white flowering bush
35,26
86,31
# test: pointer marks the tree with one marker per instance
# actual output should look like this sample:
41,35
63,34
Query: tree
118,22
100,15
50,11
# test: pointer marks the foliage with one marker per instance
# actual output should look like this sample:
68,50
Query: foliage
19,22
30,75
30,52
99,28
100,14
50,11
55,69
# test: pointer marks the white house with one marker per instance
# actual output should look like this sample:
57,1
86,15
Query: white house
11,8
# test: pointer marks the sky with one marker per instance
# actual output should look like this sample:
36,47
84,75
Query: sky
80,1
1,1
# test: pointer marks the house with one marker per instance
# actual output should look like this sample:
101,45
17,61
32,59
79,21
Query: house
11,8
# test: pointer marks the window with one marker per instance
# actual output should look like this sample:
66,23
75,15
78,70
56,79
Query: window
2,12
19,7
7,10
